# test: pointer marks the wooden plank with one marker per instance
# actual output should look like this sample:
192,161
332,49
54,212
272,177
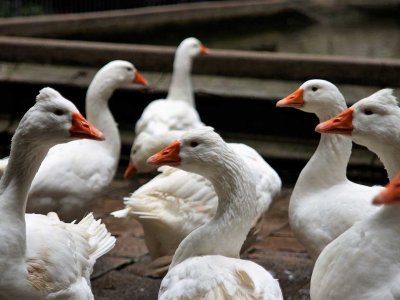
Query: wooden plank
280,66
225,88
141,18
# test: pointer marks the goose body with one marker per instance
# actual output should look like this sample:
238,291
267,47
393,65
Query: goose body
59,259
362,263
169,207
177,111
324,203
374,123
206,264
42,257
219,277
161,116
75,173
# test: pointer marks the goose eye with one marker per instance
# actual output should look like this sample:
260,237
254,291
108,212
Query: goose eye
368,112
194,144
314,88
129,69
58,112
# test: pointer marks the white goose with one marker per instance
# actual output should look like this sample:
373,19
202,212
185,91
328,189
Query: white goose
363,263
40,256
372,122
206,264
175,202
324,203
75,173
177,111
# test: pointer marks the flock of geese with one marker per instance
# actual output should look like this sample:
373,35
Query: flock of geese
205,203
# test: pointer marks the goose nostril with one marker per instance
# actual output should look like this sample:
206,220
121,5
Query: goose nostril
165,152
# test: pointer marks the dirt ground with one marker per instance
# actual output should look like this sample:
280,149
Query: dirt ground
120,273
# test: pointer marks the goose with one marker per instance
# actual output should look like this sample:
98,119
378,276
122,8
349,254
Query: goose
324,203
75,173
374,123
206,264
176,202
42,257
363,262
177,111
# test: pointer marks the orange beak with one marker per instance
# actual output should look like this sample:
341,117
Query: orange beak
341,124
139,79
295,100
391,194
204,50
81,128
130,170
168,156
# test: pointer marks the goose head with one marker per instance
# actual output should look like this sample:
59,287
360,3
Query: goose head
198,151
143,146
315,96
118,73
55,118
371,122
146,145
191,47
391,194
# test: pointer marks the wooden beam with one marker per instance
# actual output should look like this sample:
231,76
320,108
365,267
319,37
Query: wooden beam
279,66
141,18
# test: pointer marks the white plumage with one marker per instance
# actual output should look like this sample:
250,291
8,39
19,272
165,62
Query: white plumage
164,115
363,262
169,207
40,256
176,202
206,264
219,277
75,173
374,123
324,203
177,111
3,165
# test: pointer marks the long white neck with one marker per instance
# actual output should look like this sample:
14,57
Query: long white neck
99,114
387,218
181,84
389,156
328,165
237,209
24,162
